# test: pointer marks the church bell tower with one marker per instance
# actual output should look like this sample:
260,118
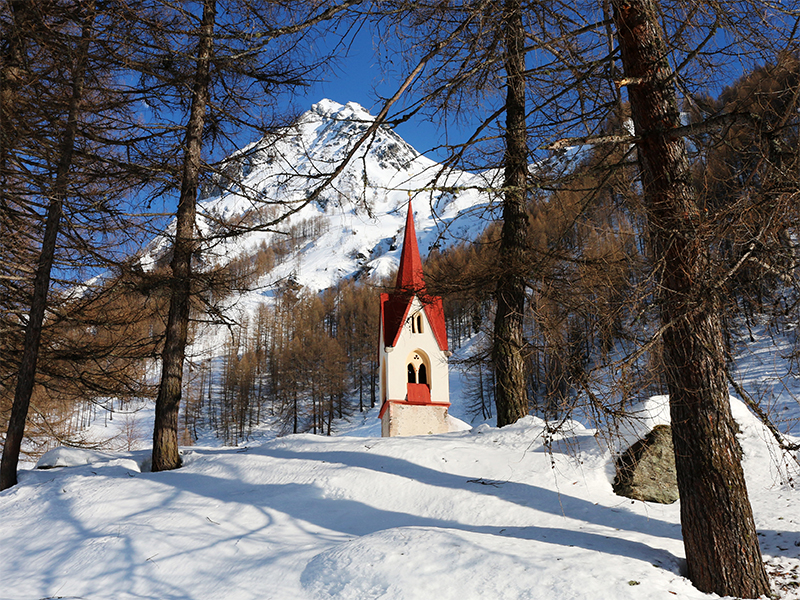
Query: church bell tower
414,382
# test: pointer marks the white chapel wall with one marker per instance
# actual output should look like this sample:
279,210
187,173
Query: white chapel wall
396,372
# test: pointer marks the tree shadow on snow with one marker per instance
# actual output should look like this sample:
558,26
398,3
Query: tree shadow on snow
307,502
522,494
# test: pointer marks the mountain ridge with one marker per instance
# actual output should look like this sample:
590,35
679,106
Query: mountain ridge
274,176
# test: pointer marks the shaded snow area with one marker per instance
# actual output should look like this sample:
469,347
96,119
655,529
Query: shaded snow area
484,513
764,358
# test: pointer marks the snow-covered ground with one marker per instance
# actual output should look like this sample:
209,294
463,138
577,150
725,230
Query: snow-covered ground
484,513
762,368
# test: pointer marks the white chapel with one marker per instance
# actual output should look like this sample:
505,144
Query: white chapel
414,383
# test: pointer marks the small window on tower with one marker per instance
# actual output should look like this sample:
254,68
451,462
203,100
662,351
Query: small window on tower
419,323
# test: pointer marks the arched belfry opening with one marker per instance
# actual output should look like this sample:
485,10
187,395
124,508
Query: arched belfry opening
415,389
418,367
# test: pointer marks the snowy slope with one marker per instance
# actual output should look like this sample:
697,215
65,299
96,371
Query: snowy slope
357,222
362,211
482,514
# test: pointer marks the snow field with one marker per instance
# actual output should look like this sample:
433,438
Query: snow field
485,513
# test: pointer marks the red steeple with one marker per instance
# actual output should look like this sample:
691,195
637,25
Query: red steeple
395,307
409,276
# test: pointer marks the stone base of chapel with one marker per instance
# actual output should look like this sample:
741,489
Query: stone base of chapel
399,418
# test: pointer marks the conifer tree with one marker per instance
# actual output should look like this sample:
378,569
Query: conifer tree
74,52
68,132
719,534
256,42
165,434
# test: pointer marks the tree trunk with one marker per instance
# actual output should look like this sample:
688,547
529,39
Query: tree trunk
41,283
719,535
508,345
165,433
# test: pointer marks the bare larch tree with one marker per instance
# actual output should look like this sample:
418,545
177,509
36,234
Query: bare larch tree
719,534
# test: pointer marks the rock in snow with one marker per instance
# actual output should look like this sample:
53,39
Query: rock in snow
646,470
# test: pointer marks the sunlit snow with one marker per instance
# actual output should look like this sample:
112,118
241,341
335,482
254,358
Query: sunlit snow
484,513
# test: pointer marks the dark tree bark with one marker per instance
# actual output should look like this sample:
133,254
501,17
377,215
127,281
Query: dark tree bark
508,349
11,76
33,329
165,432
719,535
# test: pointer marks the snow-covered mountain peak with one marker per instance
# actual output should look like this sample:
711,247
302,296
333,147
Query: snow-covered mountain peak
329,130
355,224
330,109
